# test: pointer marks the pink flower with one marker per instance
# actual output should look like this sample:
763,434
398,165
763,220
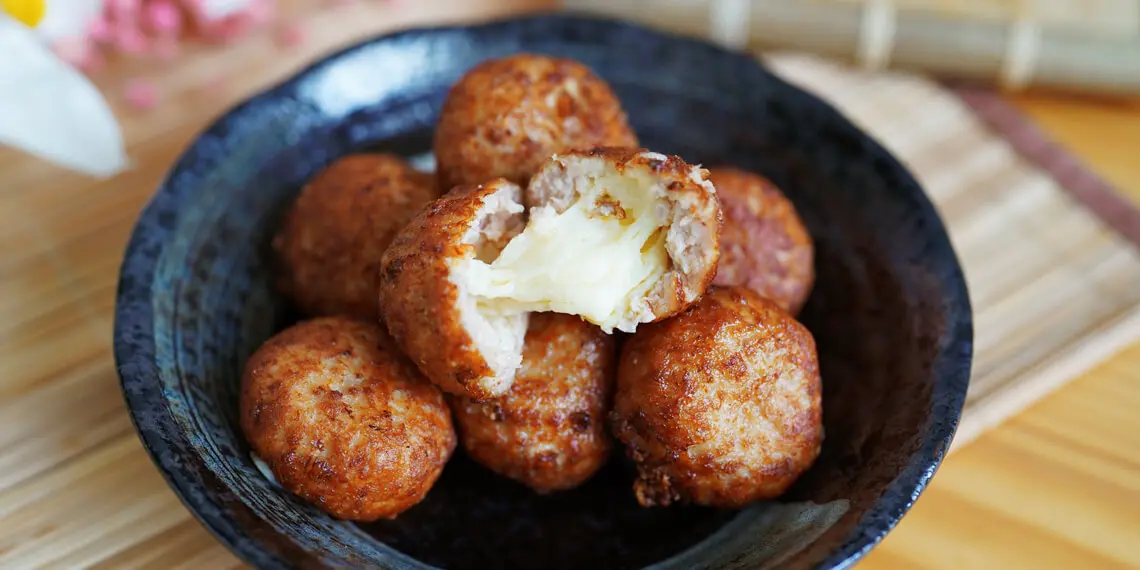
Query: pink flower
291,35
140,94
163,16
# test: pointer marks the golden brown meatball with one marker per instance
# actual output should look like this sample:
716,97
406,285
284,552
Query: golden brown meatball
329,245
506,116
617,236
549,430
720,405
343,420
461,344
763,243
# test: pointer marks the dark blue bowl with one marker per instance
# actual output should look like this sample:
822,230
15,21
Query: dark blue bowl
890,312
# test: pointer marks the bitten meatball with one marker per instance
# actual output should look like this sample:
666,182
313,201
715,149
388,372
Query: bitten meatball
461,344
763,243
720,405
329,245
343,420
504,117
617,236
549,430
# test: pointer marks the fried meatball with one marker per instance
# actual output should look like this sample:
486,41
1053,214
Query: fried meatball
506,116
343,420
549,430
763,243
720,405
462,345
329,246
616,236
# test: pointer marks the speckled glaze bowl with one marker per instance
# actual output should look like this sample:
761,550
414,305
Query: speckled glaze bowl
890,312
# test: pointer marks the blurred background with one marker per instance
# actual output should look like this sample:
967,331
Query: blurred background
1021,119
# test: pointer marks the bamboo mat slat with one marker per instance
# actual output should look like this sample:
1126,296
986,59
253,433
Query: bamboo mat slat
1055,290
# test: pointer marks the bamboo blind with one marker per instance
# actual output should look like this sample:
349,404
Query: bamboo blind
1085,45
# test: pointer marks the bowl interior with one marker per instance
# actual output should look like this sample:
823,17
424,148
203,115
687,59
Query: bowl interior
889,311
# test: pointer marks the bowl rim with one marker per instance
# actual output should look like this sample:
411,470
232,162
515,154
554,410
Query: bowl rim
134,313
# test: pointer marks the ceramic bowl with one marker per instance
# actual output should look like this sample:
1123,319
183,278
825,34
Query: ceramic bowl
890,311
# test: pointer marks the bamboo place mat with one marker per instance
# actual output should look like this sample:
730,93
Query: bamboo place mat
1055,287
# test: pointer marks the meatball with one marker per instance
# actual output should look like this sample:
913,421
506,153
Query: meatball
720,405
763,243
616,236
463,345
329,246
504,117
549,430
343,420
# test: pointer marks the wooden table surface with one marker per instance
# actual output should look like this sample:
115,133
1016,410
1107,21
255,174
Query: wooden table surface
1058,486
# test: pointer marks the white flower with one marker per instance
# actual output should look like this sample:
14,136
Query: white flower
48,108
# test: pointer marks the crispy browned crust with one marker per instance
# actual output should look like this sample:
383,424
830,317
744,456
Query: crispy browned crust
696,204
420,304
505,116
549,431
329,245
763,243
344,420
720,405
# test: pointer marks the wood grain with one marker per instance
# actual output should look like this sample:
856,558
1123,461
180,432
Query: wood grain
1055,487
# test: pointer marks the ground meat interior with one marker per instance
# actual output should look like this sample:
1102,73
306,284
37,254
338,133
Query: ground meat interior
601,252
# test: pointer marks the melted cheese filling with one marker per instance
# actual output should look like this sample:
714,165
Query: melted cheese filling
602,252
